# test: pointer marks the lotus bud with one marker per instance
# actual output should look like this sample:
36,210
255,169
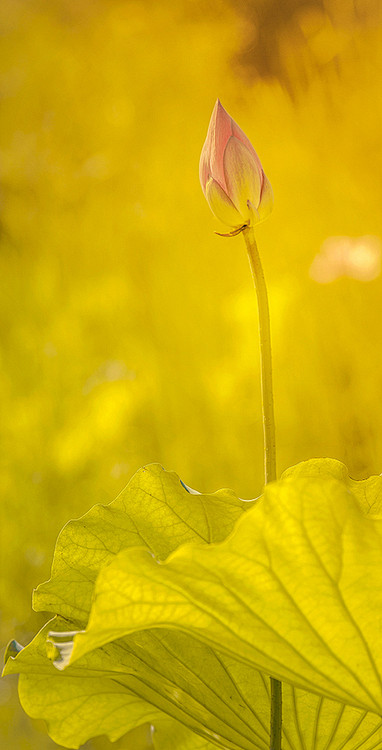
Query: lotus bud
231,175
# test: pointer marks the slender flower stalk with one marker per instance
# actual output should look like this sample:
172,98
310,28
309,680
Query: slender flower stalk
269,431
265,355
239,194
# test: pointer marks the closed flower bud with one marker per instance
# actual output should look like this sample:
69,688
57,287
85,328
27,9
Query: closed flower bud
231,174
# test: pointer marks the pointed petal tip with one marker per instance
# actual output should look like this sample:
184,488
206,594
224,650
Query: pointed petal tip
219,110
219,106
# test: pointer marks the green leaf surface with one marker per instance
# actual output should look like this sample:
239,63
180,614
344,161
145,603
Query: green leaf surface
368,491
155,510
98,695
197,696
170,734
176,674
295,591
107,692
84,704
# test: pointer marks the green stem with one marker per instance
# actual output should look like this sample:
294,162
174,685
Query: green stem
269,430
265,355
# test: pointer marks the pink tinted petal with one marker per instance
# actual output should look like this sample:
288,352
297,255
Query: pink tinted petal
221,205
240,135
204,172
266,200
219,132
243,177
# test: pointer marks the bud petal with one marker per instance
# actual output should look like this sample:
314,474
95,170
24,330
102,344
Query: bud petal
266,199
221,205
243,178
211,159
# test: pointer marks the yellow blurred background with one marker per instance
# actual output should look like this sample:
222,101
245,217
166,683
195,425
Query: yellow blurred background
128,328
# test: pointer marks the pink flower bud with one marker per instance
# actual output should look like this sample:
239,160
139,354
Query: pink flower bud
231,174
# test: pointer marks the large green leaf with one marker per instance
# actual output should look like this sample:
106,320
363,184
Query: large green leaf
368,491
107,692
155,510
99,695
86,703
197,696
295,591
